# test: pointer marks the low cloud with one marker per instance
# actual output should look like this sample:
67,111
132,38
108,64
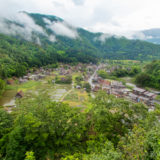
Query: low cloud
137,35
97,16
21,24
103,37
78,2
63,29
129,35
47,21
52,38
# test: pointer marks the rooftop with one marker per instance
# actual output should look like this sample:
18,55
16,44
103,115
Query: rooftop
139,90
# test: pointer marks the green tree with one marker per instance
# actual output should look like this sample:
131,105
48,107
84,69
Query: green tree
87,86
30,155
115,117
2,86
134,145
47,128
102,74
144,79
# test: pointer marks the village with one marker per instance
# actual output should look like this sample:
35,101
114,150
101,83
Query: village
66,74
120,90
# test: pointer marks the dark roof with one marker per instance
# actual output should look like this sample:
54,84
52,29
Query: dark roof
20,94
139,90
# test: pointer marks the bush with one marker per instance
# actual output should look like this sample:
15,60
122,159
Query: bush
103,74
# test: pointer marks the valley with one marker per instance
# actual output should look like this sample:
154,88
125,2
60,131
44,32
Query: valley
68,93
43,82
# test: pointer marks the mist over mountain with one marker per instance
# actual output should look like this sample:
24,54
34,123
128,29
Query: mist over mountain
153,35
53,33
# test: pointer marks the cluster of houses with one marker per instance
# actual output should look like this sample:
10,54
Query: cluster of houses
63,71
141,95
111,87
68,70
119,90
36,75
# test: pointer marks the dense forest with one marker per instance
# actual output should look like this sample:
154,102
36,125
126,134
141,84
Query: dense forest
19,55
110,47
150,77
109,128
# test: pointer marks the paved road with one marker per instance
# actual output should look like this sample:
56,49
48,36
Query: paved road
92,76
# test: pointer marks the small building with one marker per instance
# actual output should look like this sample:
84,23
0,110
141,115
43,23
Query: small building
138,91
96,88
78,87
106,83
10,81
106,88
14,78
115,93
20,94
143,99
25,77
34,77
22,80
95,80
125,91
116,84
28,74
149,95
63,79
41,76
133,97
47,73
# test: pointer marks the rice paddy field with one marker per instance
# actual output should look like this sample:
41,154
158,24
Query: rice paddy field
57,92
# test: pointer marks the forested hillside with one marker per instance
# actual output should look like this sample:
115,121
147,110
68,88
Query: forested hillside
108,129
61,42
102,45
18,55
150,77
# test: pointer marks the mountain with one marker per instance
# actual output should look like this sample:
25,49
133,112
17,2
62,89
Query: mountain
34,40
102,45
152,35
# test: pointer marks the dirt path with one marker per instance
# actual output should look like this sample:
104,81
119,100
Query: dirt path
62,98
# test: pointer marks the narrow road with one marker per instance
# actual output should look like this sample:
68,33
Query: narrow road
92,76
89,81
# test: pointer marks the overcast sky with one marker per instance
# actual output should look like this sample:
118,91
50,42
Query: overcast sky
108,16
